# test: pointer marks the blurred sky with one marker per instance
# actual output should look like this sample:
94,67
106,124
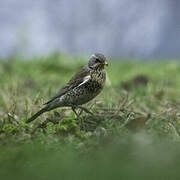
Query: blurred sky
125,28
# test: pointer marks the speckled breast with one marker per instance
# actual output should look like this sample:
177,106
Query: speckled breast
87,91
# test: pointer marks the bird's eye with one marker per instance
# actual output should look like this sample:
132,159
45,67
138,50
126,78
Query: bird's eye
97,60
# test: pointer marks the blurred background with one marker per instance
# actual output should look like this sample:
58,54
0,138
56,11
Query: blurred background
127,28
135,130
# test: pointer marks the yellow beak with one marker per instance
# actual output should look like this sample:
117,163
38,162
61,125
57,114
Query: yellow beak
105,63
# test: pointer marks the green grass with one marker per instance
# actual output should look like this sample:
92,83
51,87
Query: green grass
134,133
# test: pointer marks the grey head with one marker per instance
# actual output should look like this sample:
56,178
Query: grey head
97,61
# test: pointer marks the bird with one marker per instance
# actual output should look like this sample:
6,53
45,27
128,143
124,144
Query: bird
85,85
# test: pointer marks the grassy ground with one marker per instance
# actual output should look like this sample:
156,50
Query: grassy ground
134,133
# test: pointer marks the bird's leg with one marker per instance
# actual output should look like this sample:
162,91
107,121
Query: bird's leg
74,110
78,115
85,109
80,112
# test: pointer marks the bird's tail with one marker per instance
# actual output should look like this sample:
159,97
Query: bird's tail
37,114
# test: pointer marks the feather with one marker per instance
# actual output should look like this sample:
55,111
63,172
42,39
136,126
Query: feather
86,78
75,81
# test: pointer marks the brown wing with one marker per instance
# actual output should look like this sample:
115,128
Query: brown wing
74,82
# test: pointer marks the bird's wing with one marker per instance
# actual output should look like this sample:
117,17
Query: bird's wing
77,80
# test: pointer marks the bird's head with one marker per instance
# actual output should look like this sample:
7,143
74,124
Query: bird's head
97,61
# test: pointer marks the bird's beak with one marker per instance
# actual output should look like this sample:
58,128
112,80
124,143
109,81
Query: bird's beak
105,63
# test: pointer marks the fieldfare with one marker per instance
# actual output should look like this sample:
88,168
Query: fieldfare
83,87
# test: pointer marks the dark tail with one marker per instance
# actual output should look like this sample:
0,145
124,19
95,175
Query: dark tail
36,115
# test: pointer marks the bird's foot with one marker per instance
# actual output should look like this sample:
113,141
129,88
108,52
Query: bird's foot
82,125
74,110
85,110
80,120
81,110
